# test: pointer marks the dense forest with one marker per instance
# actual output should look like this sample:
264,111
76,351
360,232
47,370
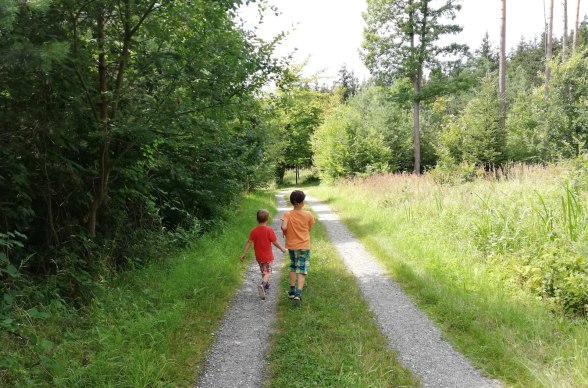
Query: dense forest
129,128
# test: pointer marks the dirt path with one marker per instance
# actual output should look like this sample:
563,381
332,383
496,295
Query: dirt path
409,331
238,355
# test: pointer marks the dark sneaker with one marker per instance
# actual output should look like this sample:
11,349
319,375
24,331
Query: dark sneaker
298,298
291,294
261,291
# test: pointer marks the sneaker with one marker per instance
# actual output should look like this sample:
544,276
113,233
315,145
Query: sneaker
298,297
291,294
261,291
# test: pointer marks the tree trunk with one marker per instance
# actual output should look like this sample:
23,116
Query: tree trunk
549,48
577,26
564,53
502,64
417,80
417,134
104,162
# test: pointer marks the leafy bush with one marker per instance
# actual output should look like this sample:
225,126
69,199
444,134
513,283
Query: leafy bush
343,147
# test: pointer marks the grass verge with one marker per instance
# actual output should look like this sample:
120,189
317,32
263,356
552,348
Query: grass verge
508,333
150,327
331,339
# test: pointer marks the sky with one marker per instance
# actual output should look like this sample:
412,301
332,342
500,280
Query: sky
328,33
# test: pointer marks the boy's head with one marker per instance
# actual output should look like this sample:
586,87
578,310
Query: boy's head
262,216
297,197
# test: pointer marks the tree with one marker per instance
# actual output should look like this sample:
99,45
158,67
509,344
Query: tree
121,119
484,138
564,52
549,47
344,146
577,26
300,110
488,54
567,118
348,83
401,39
502,67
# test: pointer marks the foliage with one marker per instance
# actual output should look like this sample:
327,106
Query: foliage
402,40
121,121
144,327
343,146
524,129
475,136
567,115
390,26
499,263
347,82
298,111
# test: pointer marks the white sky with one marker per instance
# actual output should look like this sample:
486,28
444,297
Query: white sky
329,32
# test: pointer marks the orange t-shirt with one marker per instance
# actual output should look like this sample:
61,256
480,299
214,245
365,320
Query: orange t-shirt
298,230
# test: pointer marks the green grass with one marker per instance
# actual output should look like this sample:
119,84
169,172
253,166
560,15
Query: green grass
149,327
457,261
331,339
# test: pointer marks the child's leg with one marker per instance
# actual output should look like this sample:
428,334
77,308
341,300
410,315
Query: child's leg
302,267
301,278
292,254
266,274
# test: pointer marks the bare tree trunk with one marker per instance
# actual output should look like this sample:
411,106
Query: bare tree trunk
502,64
416,81
564,42
549,48
577,26
417,129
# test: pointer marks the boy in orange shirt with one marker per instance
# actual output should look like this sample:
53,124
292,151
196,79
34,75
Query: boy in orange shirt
262,237
296,225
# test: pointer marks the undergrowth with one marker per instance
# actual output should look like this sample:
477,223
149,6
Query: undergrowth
148,327
500,264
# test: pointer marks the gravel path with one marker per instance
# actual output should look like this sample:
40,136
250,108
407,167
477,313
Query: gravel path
238,355
409,331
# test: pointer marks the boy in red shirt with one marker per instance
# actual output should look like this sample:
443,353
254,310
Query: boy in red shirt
262,237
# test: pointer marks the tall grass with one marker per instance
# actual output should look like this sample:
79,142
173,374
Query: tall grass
500,264
331,340
150,327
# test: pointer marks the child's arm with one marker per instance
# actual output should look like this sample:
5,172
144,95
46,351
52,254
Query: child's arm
279,246
245,250
284,226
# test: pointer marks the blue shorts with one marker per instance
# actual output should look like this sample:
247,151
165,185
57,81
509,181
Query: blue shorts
299,260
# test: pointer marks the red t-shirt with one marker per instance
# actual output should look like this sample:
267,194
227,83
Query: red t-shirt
262,237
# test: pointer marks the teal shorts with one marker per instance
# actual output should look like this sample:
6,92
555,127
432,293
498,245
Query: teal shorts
299,260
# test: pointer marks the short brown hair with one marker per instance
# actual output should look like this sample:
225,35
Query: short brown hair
297,197
262,215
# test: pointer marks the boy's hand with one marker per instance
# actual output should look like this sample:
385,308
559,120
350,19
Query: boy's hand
284,250
242,257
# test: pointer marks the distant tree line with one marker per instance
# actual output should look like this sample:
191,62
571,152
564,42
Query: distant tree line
457,124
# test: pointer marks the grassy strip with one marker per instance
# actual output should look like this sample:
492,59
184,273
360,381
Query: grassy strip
150,327
331,340
509,334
